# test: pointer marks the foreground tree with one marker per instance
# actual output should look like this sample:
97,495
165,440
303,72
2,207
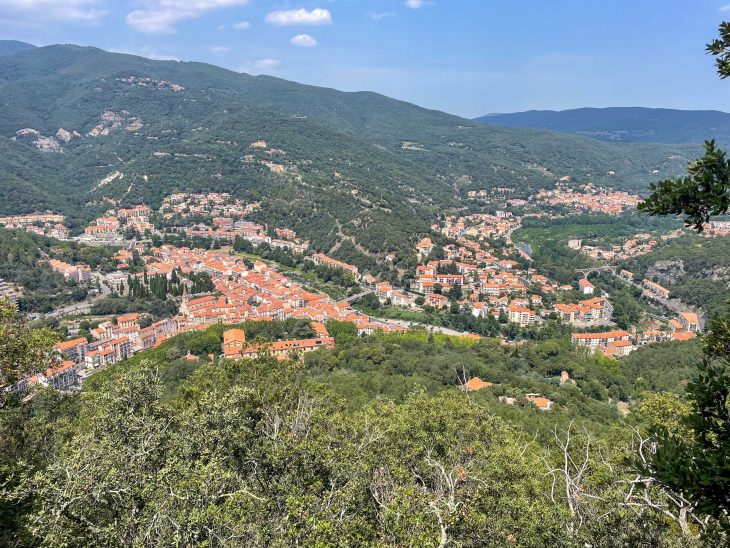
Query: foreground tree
696,464
705,191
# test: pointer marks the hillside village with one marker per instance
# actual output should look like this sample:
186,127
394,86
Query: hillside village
480,271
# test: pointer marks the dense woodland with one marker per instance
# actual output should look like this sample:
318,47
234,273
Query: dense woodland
372,443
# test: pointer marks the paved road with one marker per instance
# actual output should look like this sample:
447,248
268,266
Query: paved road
83,307
356,297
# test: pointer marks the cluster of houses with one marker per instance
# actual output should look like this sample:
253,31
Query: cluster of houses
714,229
115,221
589,197
639,244
212,204
44,224
260,293
491,285
235,348
620,343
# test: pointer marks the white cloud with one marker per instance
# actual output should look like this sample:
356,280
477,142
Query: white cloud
220,49
303,41
725,8
266,63
381,15
243,25
317,16
415,4
160,16
156,57
65,10
259,66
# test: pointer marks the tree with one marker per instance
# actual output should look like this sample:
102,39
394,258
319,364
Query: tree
697,464
705,192
22,349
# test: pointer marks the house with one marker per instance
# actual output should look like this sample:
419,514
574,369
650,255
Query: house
586,287
689,321
541,402
424,248
475,383
655,290
233,341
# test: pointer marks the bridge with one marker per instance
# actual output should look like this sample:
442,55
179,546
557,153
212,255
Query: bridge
356,297
605,268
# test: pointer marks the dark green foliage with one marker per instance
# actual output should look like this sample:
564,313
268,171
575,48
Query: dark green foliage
702,194
720,48
697,464
42,288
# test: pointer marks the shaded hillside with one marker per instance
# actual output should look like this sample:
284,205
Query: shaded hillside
625,124
11,47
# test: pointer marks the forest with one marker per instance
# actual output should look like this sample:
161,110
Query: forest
372,443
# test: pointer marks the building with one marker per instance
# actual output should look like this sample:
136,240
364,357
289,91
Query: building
653,289
521,315
689,321
475,383
233,342
63,377
594,340
541,402
586,287
321,259
234,345
75,349
8,292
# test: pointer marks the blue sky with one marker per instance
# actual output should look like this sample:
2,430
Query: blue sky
468,57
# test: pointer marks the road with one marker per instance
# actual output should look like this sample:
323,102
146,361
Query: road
83,307
356,297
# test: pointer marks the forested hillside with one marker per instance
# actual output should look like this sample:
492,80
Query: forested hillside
625,124
372,443
79,126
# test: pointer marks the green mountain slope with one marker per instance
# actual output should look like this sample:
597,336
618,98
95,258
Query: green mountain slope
354,166
625,124
11,47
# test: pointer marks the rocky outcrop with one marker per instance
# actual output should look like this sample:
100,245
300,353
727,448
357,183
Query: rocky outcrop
38,140
667,271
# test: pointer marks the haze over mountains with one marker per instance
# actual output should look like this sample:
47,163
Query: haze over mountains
359,174
625,124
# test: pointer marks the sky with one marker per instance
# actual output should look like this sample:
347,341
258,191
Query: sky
466,57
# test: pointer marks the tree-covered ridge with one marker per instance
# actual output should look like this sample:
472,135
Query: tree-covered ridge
167,451
335,167
624,124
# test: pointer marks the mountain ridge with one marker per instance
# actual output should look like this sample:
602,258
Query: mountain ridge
624,124
11,47
337,165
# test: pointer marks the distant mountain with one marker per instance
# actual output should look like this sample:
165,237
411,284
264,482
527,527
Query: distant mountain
358,174
11,47
625,124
